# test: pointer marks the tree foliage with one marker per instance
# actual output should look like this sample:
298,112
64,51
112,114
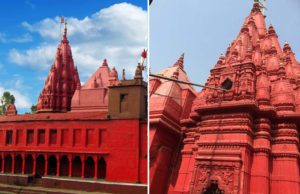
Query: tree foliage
6,99
33,108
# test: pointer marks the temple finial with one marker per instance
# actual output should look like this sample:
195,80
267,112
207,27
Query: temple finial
104,63
180,61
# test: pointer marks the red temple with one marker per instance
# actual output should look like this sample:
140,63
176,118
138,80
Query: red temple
97,132
244,140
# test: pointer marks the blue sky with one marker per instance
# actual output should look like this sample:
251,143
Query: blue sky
204,29
97,29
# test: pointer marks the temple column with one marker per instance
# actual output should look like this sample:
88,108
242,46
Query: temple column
95,158
46,164
82,166
34,164
187,158
285,167
58,165
13,163
70,165
23,162
260,175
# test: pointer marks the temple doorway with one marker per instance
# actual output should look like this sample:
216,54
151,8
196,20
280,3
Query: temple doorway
28,164
64,166
89,168
52,165
18,164
8,164
40,166
76,167
101,169
213,189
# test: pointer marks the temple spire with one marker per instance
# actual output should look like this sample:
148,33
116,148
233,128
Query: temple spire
180,61
65,30
62,80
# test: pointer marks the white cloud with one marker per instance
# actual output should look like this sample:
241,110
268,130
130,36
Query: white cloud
22,39
118,33
40,57
17,87
22,101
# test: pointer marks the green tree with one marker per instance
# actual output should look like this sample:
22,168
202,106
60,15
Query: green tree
6,99
33,108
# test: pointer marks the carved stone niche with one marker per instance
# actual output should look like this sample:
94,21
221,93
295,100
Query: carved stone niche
228,78
208,174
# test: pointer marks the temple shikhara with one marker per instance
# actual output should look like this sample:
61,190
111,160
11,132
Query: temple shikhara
90,137
242,140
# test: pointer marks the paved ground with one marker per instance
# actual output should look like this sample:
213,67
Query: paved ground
13,189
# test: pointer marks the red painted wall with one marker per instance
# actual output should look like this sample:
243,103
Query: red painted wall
122,143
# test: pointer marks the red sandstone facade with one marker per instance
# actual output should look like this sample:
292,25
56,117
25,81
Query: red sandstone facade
73,134
244,140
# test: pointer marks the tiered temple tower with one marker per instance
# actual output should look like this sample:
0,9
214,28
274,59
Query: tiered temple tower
244,140
62,81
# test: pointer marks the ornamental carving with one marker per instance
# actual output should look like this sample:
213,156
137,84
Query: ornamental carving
226,177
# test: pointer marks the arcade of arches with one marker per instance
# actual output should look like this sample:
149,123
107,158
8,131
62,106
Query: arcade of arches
53,165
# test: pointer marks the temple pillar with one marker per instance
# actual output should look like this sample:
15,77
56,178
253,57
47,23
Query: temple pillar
285,166
34,164
58,165
13,163
46,164
187,161
23,162
82,166
260,174
95,158
70,165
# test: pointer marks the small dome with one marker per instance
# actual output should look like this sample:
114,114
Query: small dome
113,73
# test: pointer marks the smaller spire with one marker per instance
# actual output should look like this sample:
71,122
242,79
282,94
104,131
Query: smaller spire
271,30
123,75
113,74
180,61
286,47
104,63
221,59
138,72
256,7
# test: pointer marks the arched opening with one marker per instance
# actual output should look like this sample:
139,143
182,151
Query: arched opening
89,168
18,164
8,164
28,164
101,169
52,165
64,166
213,189
227,84
40,166
76,167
